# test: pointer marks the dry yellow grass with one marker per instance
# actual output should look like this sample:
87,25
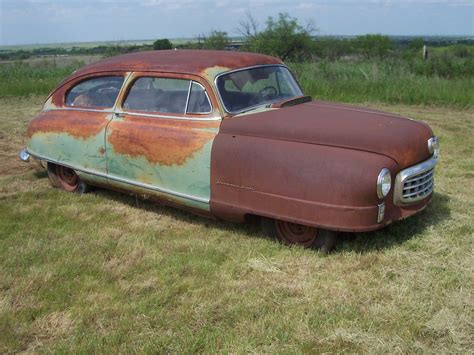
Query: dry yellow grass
100,273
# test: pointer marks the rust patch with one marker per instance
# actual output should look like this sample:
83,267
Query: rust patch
78,124
159,145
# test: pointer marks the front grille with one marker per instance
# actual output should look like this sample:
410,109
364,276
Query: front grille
415,183
418,186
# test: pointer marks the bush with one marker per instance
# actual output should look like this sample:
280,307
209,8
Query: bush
161,44
372,46
283,38
216,40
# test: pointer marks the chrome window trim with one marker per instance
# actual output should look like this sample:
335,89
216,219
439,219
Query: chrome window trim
119,109
208,100
152,115
187,98
248,68
407,173
118,112
119,179
79,109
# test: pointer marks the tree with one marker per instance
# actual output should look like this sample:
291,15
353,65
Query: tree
416,44
283,37
216,40
161,44
373,45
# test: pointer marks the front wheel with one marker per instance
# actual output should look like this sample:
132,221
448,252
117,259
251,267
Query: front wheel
297,234
65,178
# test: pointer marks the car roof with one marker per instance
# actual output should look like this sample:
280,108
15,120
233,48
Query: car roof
205,63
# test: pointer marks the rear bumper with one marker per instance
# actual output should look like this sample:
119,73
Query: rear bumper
24,155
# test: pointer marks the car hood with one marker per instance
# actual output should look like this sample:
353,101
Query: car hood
316,122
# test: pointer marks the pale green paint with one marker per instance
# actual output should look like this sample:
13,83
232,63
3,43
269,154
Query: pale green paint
66,149
191,178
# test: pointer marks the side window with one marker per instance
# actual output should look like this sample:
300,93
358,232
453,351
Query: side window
96,92
158,95
198,102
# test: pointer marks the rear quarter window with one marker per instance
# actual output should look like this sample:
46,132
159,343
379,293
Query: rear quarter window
98,92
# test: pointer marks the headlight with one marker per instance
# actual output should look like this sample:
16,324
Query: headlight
384,183
433,146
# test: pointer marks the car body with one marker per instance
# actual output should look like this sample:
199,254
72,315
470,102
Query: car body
231,135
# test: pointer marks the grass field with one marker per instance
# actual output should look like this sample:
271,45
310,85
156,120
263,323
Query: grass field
106,272
391,82
376,81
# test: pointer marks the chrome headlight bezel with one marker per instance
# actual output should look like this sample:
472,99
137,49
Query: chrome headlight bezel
433,146
384,183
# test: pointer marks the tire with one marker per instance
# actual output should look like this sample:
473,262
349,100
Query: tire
66,179
297,234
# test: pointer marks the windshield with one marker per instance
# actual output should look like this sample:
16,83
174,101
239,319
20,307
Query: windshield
248,88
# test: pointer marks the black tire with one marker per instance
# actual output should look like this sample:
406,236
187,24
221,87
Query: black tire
308,237
66,179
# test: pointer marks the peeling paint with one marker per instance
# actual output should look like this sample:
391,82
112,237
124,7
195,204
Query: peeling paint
159,144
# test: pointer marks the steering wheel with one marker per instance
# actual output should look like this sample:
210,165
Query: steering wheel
268,92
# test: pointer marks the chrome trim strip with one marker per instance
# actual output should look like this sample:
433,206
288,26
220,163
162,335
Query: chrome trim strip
108,110
214,118
126,181
408,173
247,68
381,212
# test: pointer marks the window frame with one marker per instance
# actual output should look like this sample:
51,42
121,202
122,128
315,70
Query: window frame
159,114
83,79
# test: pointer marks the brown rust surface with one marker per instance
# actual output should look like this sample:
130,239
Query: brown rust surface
339,125
315,164
158,142
75,123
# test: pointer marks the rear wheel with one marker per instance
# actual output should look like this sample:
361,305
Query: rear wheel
65,178
297,234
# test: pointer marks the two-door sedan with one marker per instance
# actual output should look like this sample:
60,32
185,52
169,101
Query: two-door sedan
231,135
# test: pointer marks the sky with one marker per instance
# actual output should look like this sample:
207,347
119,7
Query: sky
56,21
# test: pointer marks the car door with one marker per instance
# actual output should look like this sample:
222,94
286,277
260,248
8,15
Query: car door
72,131
159,141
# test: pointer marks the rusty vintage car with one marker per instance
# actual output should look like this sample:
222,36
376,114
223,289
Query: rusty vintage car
231,135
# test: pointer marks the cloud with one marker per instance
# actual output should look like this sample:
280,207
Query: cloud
34,21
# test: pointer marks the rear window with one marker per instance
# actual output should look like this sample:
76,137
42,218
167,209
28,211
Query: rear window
96,92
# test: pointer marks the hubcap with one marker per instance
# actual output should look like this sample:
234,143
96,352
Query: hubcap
68,178
292,233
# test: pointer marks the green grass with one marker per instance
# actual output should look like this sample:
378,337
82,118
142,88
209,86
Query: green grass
21,79
391,81
105,272
387,82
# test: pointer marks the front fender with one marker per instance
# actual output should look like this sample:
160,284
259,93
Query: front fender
316,185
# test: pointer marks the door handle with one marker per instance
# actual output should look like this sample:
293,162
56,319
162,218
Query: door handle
118,114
